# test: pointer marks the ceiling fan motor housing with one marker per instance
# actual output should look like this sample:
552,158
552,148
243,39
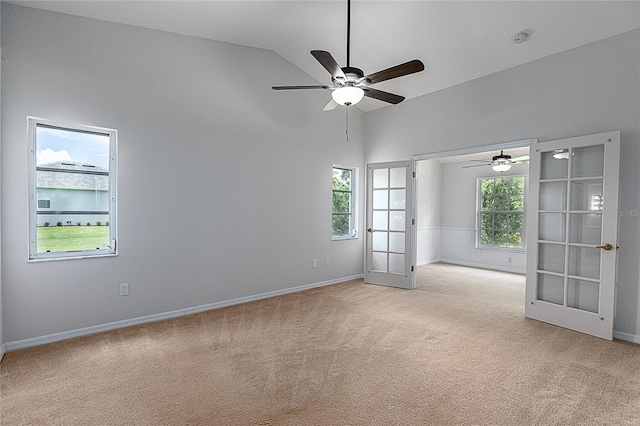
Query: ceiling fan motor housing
354,75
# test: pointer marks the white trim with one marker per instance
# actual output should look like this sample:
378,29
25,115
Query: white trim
634,338
483,266
56,337
475,150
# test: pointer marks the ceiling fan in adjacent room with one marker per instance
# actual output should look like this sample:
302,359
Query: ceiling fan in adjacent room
350,84
502,162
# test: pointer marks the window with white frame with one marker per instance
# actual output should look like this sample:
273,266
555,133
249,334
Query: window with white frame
343,215
72,195
501,212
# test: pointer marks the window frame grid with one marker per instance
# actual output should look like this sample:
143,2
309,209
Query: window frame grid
111,249
352,213
480,212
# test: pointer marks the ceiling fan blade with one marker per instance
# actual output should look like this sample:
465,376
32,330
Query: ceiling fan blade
300,87
482,161
330,106
330,64
522,158
477,165
395,72
382,96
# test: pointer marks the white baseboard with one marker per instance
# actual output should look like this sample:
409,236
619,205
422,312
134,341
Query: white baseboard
56,337
483,266
626,336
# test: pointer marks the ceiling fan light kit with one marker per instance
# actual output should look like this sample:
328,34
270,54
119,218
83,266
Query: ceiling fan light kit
347,95
501,167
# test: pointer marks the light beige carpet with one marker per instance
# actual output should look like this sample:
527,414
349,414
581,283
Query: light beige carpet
457,350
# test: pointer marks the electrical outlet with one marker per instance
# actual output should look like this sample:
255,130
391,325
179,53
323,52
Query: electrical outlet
124,289
314,263
327,261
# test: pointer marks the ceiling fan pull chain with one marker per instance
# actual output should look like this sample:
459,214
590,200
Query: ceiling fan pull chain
347,121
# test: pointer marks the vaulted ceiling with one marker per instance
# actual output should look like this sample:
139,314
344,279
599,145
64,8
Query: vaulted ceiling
458,41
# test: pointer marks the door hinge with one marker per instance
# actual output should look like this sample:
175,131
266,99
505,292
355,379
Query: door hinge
411,268
414,174
413,221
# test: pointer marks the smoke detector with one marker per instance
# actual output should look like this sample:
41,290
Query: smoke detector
520,38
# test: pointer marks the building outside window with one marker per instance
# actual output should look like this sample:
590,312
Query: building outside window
501,212
72,190
343,219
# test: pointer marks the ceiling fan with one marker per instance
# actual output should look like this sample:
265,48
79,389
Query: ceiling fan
350,84
501,163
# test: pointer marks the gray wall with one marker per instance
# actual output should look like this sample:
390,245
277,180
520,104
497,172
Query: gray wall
587,90
428,211
224,185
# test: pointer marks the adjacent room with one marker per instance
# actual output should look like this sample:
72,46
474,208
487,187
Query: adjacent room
320,212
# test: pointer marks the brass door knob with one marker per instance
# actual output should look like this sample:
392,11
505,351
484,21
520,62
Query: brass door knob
369,230
606,246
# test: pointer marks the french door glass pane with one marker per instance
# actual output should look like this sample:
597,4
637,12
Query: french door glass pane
380,199
584,262
588,161
381,178
585,228
551,257
552,167
397,199
380,220
396,242
379,241
398,177
396,263
551,289
379,262
587,195
397,221
553,196
583,295
552,226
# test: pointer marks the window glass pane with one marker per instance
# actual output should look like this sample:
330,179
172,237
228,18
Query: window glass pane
72,178
342,179
341,225
343,199
342,202
497,196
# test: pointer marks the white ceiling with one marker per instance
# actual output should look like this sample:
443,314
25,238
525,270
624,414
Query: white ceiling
458,41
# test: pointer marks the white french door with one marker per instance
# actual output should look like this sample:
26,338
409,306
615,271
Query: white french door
390,249
572,233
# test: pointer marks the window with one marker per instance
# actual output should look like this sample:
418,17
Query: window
72,199
501,212
343,211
